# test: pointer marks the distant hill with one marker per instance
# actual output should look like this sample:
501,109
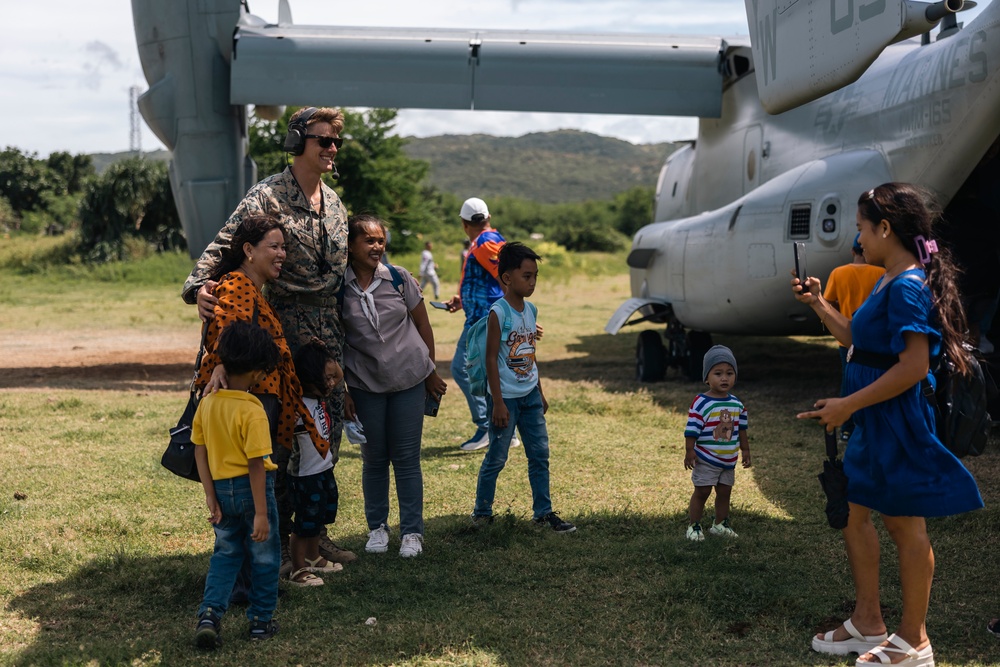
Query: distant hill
548,167
104,160
561,166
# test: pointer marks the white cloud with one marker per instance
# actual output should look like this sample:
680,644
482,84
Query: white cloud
68,65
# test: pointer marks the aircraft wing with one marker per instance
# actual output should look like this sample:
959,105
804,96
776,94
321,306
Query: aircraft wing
477,69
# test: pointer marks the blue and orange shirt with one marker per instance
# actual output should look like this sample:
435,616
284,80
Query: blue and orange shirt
480,286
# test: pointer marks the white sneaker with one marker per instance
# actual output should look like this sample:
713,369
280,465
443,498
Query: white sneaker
722,529
515,441
478,441
412,545
694,533
378,540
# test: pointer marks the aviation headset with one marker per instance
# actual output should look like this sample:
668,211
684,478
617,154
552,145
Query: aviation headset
295,140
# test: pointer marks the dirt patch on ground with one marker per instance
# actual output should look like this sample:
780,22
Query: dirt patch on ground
118,360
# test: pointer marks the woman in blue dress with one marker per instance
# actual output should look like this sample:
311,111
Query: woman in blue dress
894,462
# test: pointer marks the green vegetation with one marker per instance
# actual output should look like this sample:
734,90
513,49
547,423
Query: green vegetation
549,167
103,553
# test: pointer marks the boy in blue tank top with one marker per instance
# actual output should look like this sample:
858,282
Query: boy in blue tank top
515,396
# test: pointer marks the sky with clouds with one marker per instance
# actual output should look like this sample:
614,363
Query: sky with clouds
66,66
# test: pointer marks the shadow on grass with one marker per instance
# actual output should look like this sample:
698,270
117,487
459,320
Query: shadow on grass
626,588
622,590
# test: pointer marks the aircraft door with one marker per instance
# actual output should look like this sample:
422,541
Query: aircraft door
751,165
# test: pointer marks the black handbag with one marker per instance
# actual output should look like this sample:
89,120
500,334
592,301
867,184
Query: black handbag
834,483
179,456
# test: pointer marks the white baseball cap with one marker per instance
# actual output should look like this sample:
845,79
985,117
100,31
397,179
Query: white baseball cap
474,206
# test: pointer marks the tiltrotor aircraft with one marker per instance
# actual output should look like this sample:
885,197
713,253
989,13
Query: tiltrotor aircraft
832,98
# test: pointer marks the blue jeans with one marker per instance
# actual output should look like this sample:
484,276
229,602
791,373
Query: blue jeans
527,415
232,542
477,404
394,424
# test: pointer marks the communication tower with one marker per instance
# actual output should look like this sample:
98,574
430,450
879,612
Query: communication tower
135,135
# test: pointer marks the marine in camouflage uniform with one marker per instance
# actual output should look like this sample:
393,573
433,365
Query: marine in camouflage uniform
304,295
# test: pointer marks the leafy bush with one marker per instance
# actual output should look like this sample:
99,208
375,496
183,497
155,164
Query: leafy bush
129,204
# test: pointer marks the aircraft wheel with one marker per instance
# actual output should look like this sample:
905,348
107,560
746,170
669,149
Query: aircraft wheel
698,343
650,357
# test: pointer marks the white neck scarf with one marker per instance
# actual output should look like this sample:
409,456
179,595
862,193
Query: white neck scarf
368,302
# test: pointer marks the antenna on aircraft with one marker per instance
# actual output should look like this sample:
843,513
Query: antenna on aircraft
135,134
284,13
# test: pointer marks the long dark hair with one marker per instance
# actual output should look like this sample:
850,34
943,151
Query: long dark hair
251,229
912,213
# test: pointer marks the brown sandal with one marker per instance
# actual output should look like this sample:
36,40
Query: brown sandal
304,578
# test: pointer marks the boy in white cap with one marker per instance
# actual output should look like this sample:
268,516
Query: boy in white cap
716,428
479,288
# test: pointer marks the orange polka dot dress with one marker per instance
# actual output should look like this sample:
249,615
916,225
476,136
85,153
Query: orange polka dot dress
238,298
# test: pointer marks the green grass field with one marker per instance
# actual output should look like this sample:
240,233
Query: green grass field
103,553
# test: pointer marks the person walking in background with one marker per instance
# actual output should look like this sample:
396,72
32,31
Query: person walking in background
478,290
232,438
515,397
716,429
846,289
895,463
304,295
390,371
428,271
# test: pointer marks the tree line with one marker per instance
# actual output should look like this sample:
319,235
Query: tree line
129,207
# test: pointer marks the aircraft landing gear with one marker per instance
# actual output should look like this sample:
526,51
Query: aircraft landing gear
684,350
650,357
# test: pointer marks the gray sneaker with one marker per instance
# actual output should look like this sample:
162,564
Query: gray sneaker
378,540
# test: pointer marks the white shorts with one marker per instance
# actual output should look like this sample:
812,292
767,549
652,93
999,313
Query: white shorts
706,474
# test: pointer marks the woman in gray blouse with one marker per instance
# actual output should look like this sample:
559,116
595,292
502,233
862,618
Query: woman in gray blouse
389,367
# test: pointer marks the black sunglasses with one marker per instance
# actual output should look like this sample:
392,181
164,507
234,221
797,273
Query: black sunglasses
326,142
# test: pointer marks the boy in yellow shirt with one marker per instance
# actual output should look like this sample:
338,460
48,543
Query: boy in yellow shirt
233,446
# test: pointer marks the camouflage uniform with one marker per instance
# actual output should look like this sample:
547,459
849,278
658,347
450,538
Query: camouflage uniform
304,295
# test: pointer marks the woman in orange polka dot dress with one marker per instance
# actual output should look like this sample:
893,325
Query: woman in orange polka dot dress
254,257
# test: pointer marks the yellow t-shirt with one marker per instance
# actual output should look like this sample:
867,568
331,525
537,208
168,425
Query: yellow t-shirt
233,427
849,285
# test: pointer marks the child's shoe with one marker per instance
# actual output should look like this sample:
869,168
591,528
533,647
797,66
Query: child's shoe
557,524
694,532
722,529
208,633
261,630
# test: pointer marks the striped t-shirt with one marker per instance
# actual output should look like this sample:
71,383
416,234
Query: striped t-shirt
715,423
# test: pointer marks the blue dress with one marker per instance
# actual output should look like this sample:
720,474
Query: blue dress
894,462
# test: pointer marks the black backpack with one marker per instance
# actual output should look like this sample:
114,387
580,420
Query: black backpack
961,405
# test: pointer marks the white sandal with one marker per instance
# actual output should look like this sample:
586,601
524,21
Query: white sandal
856,643
304,578
914,658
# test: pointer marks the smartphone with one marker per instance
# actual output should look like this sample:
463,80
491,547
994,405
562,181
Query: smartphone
800,264
431,404
439,304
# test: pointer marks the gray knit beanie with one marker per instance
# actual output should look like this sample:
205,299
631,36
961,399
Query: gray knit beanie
718,355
